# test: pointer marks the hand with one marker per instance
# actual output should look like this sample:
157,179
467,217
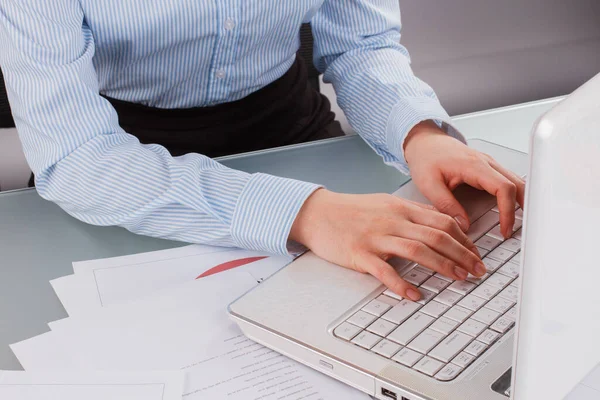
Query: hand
439,163
362,232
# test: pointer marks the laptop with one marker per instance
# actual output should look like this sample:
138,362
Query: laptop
527,330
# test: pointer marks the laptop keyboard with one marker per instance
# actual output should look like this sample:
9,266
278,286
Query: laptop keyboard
455,322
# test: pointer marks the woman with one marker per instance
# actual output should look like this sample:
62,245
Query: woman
120,104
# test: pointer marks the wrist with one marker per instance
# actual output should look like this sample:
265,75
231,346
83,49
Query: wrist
420,131
308,216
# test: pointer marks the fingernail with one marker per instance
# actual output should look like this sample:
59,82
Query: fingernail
461,273
480,269
464,225
413,294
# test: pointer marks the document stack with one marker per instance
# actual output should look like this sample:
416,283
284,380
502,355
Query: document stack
155,326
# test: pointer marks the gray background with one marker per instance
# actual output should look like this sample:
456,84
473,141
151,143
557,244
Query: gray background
476,54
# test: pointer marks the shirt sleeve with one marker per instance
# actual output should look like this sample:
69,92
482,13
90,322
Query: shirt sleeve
98,173
357,47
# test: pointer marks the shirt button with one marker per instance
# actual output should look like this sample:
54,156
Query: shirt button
220,74
229,24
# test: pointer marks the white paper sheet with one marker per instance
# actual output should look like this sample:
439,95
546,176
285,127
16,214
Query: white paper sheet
184,327
46,385
102,283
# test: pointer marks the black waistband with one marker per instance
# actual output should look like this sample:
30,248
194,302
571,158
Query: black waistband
287,111
288,85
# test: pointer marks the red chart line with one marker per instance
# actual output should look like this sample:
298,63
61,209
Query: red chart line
230,265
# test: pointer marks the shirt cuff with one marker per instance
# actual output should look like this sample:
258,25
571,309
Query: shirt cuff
405,115
266,210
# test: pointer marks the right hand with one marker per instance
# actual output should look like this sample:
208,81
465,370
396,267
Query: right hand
362,232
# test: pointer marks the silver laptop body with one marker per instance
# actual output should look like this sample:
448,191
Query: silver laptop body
346,325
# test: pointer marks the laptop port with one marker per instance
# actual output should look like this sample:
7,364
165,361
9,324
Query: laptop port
388,393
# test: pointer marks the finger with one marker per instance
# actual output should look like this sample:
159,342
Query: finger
421,205
443,222
442,198
420,253
514,178
387,275
505,191
444,244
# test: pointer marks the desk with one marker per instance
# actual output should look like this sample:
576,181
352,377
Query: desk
38,241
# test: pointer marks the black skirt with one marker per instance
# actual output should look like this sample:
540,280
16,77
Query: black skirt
287,111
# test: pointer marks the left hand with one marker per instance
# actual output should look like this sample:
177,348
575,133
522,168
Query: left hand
439,163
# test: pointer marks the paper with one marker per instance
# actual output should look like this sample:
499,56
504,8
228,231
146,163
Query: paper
184,327
18,385
102,283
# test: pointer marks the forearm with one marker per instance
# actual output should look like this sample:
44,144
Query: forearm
371,73
117,181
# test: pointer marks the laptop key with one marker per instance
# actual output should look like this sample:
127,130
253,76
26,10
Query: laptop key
512,313
435,309
488,336
401,311
490,264
472,302
462,287
512,244
516,259
499,280
444,325
415,277
390,301
448,297
428,366
435,284
486,316
407,357
478,281
444,277
488,242
518,234
482,225
426,296
503,324
518,225
426,340
346,331
463,359
458,313
496,232
450,346
410,328
482,251
510,293
393,295
500,304
376,307
386,348
424,270
366,340
472,327
519,213
516,283
501,254
486,291
475,348
510,269
449,372
382,327
362,319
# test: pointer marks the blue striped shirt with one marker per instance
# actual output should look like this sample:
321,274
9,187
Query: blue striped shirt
58,56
